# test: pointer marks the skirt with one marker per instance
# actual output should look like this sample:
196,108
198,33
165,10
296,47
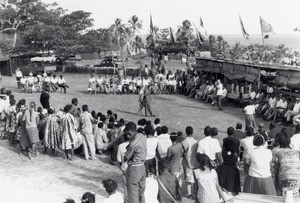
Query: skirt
264,186
33,134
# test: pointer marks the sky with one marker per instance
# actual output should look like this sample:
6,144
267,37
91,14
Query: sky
219,16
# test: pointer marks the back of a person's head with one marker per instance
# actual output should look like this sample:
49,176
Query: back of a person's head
140,122
158,130
249,131
85,108
207,131
88,197
214,132
69,201
103,118
148,130
173,137
284,140
165,163
203,161
239,126
230,131
258,140
297,129
164,130
143,121
148,123
74,101
111,120
110,185
157,121
189,130
109,112
100,125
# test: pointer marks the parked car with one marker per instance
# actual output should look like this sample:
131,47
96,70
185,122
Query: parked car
108,62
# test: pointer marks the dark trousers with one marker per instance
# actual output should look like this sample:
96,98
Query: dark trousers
148,109
18,81
136,183
64,86
150,165
219,97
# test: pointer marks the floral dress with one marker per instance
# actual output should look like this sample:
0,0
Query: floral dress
68,131
52,132
207,186
289,169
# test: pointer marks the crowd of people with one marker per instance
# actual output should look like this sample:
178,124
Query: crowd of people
157,164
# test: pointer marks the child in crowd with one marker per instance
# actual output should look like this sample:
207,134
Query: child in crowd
189,161
101,140
169,190
208,188
174,156
111,188
164,142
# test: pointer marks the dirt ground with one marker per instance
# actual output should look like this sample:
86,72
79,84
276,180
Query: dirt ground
46,178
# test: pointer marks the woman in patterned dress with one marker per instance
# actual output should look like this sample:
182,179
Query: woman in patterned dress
51,132
11,122
286,166
208,188
30,118
68,132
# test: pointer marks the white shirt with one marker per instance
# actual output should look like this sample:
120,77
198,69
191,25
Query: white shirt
249,110
47,79
54,80
297,107
151,190
219,89
295,142
19,74
138,82
92,80
260,159
272,102
247,144
114,198
252,95
30,80
151,147
61,81
164,142
224,92
100,81
146,82
120,155
281,103
209,146
23,80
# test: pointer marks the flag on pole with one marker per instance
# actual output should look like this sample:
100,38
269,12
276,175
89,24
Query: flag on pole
245,34
199,38
152,30
201,22
265,27
172,37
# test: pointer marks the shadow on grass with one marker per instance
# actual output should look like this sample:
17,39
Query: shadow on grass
126,112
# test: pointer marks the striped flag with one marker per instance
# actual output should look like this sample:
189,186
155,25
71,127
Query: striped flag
245,34
201,22
265,27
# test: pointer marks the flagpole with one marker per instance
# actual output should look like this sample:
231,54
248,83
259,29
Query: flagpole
263,39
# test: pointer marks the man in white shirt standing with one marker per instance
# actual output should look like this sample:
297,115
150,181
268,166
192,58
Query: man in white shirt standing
249,115
219,93
19,75
211,147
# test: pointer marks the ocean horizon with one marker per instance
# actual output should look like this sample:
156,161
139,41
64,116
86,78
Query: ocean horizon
289,40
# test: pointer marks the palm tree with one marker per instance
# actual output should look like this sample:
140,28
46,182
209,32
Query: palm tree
135,24
137,45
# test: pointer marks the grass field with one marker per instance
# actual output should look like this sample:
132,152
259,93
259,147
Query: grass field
58,178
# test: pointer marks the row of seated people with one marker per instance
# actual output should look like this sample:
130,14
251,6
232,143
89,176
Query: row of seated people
126,85
33,84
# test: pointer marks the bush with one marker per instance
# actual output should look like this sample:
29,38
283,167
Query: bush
72,68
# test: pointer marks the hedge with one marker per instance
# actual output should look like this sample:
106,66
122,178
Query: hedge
71,68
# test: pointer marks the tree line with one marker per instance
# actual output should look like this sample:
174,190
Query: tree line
34,26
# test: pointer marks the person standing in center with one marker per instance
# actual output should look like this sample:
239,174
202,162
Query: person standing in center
44,99
86,127
136,171
147,98
219,94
